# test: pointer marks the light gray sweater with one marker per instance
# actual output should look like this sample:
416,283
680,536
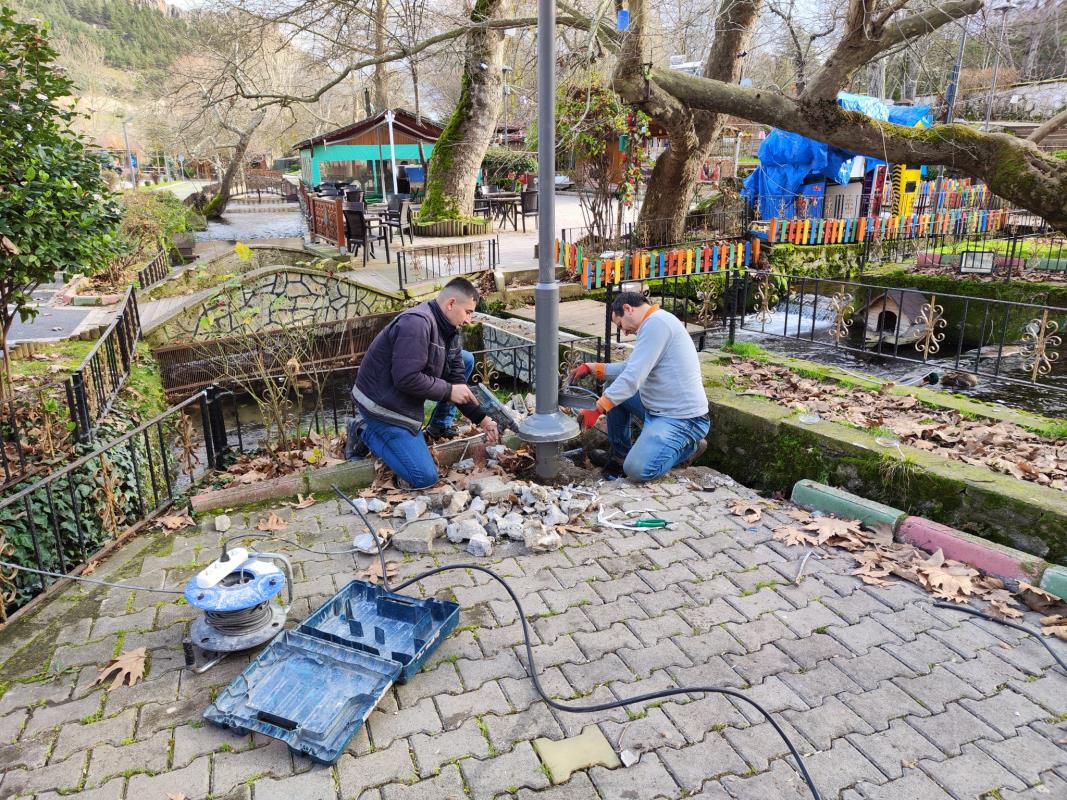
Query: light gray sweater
663,368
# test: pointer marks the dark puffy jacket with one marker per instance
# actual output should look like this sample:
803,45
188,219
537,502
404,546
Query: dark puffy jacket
417,357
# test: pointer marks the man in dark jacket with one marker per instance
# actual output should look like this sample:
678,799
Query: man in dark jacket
416,358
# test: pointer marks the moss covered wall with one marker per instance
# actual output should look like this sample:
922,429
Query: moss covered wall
764,445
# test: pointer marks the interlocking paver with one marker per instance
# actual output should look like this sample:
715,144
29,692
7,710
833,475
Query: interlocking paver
886,696
891,749
433,751
913,784
446,786
694,764
1028,754
505,773
315,784
971,774
647,779
454,709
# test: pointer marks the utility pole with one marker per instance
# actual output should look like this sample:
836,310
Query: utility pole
548,427
1003,8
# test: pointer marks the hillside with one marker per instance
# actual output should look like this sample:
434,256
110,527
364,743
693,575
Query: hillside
131,35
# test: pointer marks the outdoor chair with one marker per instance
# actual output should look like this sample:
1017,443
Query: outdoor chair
400,221
359,233
354,195
528,207
482,206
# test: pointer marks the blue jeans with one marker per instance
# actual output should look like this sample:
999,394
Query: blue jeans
404,452
445,412
664,441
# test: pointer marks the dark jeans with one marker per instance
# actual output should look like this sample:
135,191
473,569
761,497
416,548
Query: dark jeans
664,441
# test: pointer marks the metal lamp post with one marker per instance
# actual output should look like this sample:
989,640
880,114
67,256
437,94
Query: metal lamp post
1003,8
504,90
548,427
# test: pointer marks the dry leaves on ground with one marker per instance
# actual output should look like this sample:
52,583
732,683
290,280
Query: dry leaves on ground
749,512
313,450
302,502
1000,446
128,668
90,568
272,523
373,573
878,559
1055,625
173,522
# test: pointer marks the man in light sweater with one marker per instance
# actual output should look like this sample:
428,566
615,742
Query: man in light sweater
659,384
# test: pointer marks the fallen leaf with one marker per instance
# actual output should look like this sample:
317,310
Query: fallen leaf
90,568
1036,598
748,512
272,523
799,514
302,502
373,573
252,476
793,537
173,522
128,669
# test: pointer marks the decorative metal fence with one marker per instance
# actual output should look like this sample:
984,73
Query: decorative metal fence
999,340
657,233
94,385
61,522
595,272
417,264
154,271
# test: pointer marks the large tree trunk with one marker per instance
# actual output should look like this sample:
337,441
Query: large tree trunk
382,99
460,150
1012,168
691,134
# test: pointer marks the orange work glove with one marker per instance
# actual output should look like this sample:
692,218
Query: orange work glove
588,417
597,370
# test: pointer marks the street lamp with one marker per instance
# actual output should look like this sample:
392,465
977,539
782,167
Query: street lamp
1003,9
505,91
548,427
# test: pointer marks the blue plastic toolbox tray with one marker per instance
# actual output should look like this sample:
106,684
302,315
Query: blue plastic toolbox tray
307,691
393,626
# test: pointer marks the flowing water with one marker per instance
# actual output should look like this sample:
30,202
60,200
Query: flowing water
804,331
242,226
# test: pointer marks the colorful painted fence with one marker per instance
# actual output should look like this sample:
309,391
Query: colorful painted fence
855,230
600,271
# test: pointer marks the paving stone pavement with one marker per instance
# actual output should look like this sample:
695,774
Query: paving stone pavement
886,696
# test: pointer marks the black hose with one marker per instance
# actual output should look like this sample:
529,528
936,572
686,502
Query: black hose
1017,626
531,667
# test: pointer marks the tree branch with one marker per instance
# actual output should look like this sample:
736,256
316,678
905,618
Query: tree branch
866,36
1049,127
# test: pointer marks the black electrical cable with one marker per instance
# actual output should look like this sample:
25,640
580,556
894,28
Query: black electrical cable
1017,626
98,582
531,670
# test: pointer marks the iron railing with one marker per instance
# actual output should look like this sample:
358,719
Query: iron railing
999,340
62,521
154,271
417,264
94,385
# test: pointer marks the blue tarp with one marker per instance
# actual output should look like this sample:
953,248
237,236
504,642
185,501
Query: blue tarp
787,160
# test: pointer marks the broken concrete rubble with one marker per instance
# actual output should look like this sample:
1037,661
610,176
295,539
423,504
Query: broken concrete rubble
490,488
411,510
480,545
465,530
418,537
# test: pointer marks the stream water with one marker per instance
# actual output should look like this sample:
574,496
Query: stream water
244,226
813,320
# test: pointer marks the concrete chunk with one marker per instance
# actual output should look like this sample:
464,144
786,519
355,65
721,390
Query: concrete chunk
418,537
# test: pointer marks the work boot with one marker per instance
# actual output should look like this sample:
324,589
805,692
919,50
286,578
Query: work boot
702,446
611,466
354,446
437,432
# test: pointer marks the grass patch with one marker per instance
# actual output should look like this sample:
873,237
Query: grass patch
745,350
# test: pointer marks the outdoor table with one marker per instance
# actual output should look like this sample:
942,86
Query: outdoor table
506,205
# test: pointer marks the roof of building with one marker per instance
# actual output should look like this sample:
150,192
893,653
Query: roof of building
403,120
